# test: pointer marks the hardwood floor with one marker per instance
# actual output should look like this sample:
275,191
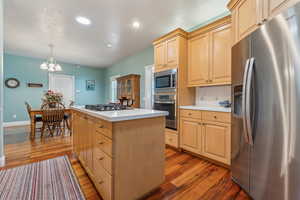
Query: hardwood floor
187,177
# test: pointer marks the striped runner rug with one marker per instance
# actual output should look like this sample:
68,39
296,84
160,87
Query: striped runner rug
45,180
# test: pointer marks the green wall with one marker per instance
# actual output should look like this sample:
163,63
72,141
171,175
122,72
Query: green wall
131,65
26,70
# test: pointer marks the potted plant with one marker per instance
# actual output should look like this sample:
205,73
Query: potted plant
52,98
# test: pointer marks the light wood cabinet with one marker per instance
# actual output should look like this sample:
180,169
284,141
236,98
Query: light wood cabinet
171,138
206,133
221,55
198,60
108,150
191,135
159,56
216,141
166,55
209,54
167,50
247,15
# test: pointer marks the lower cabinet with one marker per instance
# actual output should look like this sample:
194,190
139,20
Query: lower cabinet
191,135
216,142
207,134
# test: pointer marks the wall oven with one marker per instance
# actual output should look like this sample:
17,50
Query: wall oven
167,102
165,81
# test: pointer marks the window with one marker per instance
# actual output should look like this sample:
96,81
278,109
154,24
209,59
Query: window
114,88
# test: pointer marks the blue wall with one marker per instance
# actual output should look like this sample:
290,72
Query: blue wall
131,65
27,70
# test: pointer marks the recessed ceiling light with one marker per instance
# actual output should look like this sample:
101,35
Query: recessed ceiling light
83,20
109,45
136,24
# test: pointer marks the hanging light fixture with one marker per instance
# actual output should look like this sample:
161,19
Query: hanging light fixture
50,64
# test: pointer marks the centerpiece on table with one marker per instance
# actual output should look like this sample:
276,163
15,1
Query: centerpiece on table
52,98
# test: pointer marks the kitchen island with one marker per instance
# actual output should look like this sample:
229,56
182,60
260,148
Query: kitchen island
122,151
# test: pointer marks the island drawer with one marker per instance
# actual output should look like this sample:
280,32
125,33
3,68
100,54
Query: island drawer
104,143
191,114
103,183
216,116
104,127
101,159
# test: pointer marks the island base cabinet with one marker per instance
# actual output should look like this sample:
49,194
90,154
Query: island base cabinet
125,160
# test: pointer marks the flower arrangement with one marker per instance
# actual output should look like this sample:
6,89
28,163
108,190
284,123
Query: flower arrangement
51,97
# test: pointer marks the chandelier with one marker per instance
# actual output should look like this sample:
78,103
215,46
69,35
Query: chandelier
50,64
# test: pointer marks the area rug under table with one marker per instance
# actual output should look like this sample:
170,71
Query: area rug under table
49,179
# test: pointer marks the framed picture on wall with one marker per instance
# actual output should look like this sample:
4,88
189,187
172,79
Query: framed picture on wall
90,85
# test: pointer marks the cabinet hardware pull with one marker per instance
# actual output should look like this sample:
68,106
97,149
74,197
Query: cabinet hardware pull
100,182
210,81
215,117
101,143
101,158
102,126
190,113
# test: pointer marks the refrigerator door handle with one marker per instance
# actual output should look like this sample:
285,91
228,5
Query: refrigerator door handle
248,102
244,97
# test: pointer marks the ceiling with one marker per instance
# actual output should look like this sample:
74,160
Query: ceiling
29,26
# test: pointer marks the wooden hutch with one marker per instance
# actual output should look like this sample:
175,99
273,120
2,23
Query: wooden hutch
129,88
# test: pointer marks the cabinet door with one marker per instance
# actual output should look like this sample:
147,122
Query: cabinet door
159,56
246,17
89,154
172,53
221,55
216,142
190,137
198,60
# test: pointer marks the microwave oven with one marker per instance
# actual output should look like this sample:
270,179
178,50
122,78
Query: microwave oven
165,81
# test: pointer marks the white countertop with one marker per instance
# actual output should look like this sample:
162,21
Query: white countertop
122,115
207,106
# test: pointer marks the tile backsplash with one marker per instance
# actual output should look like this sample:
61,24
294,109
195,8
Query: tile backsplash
214,93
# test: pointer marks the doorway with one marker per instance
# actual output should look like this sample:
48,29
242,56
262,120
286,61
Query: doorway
64,84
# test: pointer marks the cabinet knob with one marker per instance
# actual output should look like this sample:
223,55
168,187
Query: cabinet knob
210,81
101,158
190,113
100,142
215,117
207,81
199,123
102,126
101,182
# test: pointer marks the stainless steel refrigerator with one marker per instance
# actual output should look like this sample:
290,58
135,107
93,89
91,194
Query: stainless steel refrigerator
266,109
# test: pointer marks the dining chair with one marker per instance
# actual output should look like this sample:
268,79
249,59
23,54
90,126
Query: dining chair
37,118
53,117
67,117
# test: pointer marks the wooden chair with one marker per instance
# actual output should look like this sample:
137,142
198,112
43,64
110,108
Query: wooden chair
67,117
53,116
37,118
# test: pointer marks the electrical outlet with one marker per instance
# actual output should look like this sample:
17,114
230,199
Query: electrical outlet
14,116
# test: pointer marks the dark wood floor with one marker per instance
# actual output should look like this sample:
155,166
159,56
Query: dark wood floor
187,177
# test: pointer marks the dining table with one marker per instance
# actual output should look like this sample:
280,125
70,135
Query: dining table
36,112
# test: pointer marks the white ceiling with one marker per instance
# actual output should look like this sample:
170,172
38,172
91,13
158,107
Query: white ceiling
30,25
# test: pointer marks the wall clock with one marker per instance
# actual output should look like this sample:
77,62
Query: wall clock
12,83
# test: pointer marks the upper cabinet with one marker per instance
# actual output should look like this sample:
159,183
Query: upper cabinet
247,15
209,54
167,50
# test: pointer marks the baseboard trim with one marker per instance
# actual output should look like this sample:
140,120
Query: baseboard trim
16,123
2,161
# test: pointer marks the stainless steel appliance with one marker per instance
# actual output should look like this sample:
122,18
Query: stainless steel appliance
165,89
167,102
266,114
165,81
107,107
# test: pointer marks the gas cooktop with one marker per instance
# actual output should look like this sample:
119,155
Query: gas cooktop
107,107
